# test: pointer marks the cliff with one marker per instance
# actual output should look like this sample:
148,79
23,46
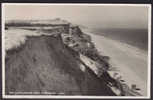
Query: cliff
59,62
40,65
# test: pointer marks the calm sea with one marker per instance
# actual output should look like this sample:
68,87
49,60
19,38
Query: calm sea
134,37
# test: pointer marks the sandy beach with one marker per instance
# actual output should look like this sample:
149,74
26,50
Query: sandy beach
130,62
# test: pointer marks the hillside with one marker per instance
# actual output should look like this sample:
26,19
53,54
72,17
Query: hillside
59,63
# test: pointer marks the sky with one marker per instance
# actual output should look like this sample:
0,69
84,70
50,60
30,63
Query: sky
101,16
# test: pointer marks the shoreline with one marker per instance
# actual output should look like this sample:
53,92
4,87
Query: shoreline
128,60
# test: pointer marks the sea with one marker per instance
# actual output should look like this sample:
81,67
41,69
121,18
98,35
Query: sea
134,37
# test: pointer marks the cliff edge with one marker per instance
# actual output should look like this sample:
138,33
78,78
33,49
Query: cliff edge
57,59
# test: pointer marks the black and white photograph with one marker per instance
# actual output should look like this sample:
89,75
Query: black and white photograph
76,50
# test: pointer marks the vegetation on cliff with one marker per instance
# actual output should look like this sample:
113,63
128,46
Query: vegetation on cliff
59,62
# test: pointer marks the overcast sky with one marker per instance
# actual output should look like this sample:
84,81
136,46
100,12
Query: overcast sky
91,16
